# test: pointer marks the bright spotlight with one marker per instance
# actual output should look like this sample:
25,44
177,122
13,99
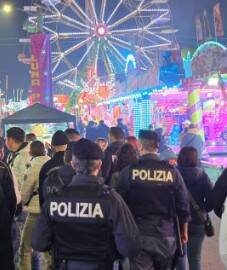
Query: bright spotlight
7,8
213,81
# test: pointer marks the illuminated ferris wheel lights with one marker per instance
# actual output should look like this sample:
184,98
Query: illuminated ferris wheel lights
155,10
85,55
124,19
160,1
169,31
102,34
47,2
73,70
123,31
101,30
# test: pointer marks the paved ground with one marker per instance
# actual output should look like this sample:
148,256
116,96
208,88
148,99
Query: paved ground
211,259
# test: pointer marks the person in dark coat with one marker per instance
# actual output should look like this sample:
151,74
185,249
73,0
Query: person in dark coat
219,194
81,127
134,142
165,152
155,193
102,130
91,131
59,145
4,152
8,205
126,156
72,134
102,143
193,138
116,138
120,124
60,178
200,189
66,172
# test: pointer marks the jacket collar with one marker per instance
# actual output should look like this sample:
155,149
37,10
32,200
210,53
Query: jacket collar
12,156
116,145
59,154
149,156
22,147
81,179
39,159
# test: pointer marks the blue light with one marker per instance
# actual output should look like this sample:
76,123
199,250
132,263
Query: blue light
142,115
187,63
145,93
136,95
207,44
130,59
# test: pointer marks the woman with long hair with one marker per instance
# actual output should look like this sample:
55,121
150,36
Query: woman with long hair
200,189
134,142
126,156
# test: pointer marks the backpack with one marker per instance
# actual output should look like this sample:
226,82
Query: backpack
53,184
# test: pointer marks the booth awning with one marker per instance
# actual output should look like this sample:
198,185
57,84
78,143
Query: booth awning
38,113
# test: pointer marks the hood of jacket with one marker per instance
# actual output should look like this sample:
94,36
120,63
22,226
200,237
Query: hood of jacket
39,161
22,151
18,162
66,171
166,153
24,148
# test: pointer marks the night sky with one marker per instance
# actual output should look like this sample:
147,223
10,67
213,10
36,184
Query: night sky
183,12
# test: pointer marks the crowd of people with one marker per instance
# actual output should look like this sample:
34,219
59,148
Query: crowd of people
105,200
94,131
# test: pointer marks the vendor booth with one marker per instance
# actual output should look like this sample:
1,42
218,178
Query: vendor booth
39,119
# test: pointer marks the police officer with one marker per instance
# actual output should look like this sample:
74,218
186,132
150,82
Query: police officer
59,144
155,193
116,138
59,178
87,224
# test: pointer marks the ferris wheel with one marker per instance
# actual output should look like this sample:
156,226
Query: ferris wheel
101,33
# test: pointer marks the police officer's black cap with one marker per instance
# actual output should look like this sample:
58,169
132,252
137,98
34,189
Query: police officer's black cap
87,150
149,135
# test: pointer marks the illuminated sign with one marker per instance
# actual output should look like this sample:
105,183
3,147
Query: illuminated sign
35,71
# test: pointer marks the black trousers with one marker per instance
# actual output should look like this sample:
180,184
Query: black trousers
6,247
6,252
74,265
147,261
